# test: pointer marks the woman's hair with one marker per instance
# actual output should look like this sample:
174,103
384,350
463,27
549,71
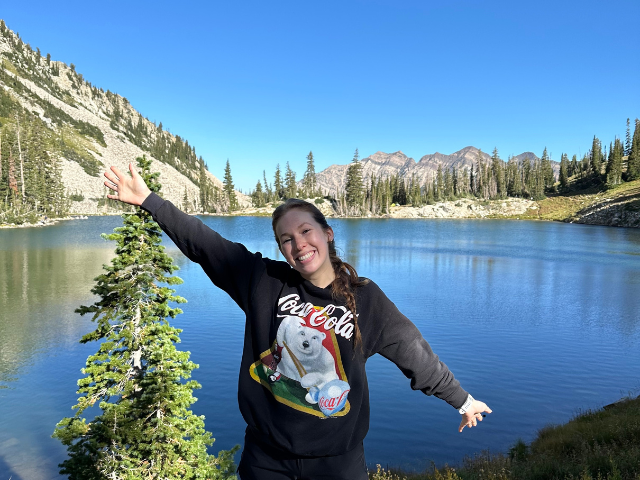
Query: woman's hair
346,276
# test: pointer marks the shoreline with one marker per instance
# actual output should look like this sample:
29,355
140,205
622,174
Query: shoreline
619,207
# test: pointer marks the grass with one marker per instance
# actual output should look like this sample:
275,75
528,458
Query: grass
595,445
567,207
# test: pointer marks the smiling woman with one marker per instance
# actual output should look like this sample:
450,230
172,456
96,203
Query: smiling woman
306,345
304,243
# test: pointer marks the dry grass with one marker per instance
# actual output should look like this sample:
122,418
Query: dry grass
596,445
569,207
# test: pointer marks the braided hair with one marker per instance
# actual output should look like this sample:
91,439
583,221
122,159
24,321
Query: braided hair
346,278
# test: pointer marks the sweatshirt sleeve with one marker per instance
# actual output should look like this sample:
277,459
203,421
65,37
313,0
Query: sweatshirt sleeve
400,341
229,265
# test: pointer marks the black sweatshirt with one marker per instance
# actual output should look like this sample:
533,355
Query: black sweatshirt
303,386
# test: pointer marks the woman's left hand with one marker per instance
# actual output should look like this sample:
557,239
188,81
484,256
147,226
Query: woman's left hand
473,415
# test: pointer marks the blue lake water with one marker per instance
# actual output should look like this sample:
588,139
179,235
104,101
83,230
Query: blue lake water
539,320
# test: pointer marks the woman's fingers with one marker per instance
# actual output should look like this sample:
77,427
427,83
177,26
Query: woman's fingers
474,415
113,176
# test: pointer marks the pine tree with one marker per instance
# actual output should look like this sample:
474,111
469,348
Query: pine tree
257,197
627,143
438,186
596,157
309,179
564,171
547,171
498,174
574,166
267,188
633,162
614,165
354,192
146,429
229,189
291,189
278,185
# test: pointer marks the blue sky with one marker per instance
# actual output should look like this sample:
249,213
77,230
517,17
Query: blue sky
262,83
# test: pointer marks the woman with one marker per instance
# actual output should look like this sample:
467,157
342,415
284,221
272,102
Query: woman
311,325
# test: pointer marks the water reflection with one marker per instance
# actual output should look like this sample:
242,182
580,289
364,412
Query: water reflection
39,290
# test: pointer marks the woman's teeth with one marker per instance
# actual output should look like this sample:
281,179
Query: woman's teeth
306,256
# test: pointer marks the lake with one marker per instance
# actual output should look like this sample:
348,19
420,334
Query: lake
539,320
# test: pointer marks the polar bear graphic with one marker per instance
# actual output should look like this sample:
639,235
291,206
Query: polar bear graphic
304,358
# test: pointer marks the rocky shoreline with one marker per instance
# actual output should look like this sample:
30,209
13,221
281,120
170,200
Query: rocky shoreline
622,211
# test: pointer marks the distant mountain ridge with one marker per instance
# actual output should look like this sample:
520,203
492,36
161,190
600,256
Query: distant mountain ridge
333,179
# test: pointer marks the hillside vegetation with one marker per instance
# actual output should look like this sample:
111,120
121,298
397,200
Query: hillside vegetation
596,445
59,132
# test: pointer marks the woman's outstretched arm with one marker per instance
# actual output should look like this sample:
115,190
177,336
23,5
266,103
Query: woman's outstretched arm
229,265
131,190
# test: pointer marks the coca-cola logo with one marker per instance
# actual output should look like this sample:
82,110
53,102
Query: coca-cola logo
333,397
335,317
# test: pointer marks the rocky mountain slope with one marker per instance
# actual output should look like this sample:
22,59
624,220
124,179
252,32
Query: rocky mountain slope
99,129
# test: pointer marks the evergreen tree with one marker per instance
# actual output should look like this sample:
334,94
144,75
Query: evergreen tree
229,188
596,157
438,186
564,171
145,428
309,179
633,161
278,185
291,189
547,171
268,196
614,165
354,192
574,166
448,185
498,174
627,143
257,197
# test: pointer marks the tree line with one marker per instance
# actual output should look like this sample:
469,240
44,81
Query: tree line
30,174
532,178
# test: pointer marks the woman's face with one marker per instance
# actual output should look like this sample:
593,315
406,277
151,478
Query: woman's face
305,246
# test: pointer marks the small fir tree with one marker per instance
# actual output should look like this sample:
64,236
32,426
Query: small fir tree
627,143
278,185
257,197
596,157
354,189
291,188
564,171
309,179
136,377
228,188
633,161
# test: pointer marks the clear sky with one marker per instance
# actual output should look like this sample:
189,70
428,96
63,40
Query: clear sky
262,83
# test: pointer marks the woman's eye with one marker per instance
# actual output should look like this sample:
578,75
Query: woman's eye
286,240
306,230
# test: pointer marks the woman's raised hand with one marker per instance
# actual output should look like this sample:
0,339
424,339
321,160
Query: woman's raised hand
473,415
131,190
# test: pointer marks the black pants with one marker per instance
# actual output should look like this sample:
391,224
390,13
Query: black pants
263,462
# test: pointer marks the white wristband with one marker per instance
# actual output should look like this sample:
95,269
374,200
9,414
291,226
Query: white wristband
466,405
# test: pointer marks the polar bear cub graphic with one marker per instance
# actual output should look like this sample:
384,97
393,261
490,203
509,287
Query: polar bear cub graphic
304,358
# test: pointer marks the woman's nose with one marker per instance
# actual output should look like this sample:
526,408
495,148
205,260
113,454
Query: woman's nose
300,243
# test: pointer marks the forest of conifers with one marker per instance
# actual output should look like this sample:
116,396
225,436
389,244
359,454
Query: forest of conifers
601,167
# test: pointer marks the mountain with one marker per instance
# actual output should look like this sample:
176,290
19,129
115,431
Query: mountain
51,116
333,179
